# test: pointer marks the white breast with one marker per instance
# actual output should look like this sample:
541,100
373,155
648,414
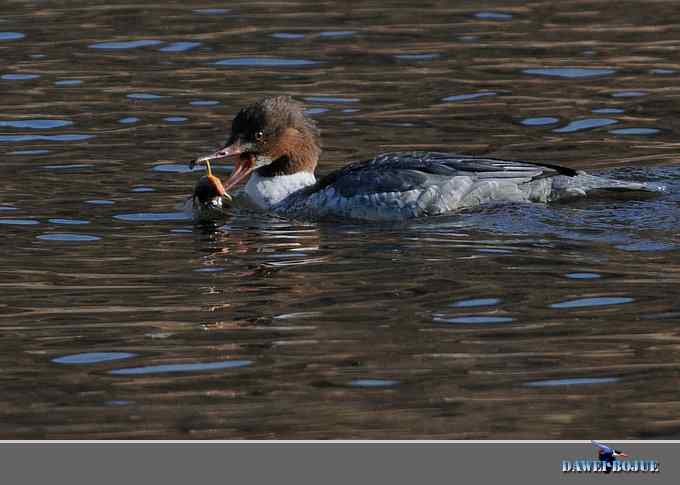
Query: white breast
266,192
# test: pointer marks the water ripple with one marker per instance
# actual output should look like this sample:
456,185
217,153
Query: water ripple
67,237
541,121
337,34
93,357
19,77
176,168
583,276
154,216
180,47
629,94
11,35
69,166
635,131
265,62
210,11
35,124
130,44
418,57
167,368
29,152
68,82
586,124
374,383
493,16
18,222
475,302
204,102
608,111
465,97
68,221
331,99
69,137
473,319
287,36
569,72
593,302
577,381
145,96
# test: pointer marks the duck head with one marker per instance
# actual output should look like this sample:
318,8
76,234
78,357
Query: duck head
273,136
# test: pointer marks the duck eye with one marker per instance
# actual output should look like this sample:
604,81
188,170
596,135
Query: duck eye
259,136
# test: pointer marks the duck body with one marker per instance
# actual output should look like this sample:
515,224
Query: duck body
277,146
405,185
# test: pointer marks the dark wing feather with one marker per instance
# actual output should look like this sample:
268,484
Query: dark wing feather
399,172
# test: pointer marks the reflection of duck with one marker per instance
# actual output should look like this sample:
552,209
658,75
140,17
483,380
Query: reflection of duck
608,455
278,146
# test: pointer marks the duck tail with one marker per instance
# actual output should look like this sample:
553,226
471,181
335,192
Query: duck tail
583,184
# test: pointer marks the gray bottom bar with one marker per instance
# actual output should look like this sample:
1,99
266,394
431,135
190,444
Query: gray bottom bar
322,463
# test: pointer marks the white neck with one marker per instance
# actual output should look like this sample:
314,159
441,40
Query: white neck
266,192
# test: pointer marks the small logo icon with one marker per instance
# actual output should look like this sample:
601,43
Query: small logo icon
609,460
607,455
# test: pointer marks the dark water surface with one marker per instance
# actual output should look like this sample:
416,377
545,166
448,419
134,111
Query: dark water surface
120,318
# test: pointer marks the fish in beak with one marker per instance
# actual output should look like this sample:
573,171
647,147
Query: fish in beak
246,162
209,196
209,193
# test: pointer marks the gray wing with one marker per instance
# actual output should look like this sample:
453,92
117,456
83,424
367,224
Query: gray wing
400,172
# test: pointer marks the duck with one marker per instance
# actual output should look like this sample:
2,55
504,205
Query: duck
276,147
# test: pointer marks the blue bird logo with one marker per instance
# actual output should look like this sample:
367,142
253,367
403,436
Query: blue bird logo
608,455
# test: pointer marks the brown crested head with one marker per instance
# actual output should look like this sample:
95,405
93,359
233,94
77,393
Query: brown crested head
278,134
273,137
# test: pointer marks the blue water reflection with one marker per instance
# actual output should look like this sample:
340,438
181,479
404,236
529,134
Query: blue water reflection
374,383
265,62
180,47
540,121
67,237
466,97
170,368
130,44
154,216
18,222
92,357
585,124
35,124
11,35
577,381
19,77
569,72
635,131
493,16
593,302
65,137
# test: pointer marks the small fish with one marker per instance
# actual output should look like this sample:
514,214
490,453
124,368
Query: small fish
209,196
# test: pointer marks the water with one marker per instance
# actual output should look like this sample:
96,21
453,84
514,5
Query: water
120,318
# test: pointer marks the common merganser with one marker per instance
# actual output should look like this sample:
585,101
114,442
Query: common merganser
278,145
